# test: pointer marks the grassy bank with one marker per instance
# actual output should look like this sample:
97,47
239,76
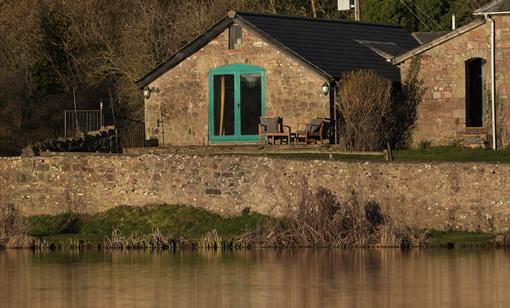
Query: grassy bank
320,221
453,154
176,223
429,154
462,239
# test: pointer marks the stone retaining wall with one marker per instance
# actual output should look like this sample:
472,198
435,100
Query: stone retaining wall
468,195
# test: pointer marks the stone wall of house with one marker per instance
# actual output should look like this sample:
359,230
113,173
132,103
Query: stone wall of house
465,195
181,97
442,114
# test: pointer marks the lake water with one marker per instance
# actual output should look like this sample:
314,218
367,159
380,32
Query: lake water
256,278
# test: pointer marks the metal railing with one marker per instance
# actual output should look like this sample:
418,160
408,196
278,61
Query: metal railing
82,121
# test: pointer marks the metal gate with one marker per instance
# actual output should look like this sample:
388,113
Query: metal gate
131,133
82,121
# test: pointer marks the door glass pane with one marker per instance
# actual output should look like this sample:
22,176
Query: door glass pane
224,105
251,103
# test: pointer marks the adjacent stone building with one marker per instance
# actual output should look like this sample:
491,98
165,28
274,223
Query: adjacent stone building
250,65
456,70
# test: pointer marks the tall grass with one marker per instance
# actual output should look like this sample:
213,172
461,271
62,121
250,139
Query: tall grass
321,220
154,240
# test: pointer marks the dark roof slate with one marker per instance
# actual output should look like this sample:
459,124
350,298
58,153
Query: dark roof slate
388,50
331,47
334,46
425,37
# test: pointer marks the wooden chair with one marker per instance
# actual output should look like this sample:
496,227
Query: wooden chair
316,131
272,129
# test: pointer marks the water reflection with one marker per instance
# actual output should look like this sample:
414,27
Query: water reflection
257,278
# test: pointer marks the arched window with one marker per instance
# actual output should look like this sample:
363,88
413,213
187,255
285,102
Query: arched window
475,105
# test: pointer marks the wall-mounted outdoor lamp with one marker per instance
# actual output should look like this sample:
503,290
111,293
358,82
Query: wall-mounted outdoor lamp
325,88
147,91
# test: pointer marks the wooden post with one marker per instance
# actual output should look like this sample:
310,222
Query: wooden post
222,104
77,127
389,152
357,10
114,123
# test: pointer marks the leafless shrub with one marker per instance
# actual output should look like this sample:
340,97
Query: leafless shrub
364,101
13,228
451,218
374,111
320,220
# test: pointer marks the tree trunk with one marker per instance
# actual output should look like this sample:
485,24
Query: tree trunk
314,8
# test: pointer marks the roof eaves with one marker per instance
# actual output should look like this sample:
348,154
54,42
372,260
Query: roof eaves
453,34
284,48
489,9
185,52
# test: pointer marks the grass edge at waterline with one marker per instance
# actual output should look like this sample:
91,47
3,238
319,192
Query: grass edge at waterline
320,221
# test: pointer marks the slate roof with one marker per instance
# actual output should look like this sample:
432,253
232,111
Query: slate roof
425,37
494,7
331,47
387,50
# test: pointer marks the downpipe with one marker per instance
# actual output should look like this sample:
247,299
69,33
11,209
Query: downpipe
493,80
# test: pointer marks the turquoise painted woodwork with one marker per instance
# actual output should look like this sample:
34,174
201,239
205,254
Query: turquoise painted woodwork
236,70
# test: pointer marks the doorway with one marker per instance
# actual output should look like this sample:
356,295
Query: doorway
236,102
474,93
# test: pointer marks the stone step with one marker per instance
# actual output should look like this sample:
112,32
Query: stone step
474,140
475,131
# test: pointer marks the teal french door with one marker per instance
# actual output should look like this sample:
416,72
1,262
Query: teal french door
236,102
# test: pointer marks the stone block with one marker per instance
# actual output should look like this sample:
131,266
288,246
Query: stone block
459,113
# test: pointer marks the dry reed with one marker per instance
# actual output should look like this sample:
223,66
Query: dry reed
13,228
154,240
320,220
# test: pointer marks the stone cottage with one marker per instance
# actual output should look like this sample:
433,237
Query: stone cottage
466,78
261,65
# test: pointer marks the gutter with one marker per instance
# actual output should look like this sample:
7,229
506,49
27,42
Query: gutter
332,112
485,14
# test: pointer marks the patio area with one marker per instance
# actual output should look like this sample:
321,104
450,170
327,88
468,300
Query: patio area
304,151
